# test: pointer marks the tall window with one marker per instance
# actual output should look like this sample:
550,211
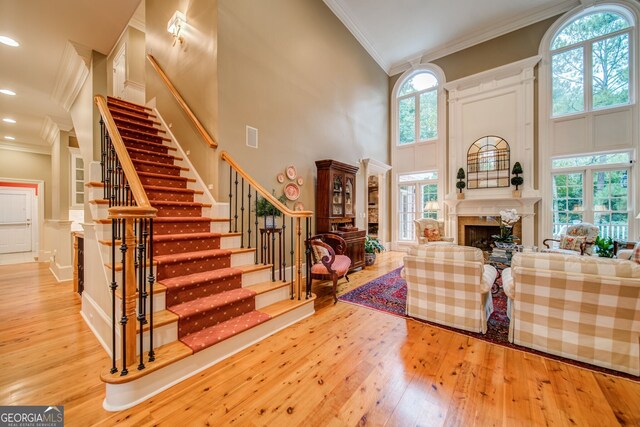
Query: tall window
418,198
594,189
590,60
418,109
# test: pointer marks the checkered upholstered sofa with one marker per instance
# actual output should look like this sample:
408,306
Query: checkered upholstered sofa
582,308
449,285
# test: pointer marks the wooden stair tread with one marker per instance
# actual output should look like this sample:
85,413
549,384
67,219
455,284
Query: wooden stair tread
139,132
127,103
172,177
99,202
145,141
176,350
126,121
165,165
281,307
94,184
134,116
165,356
155,153
264,287
160,318
158,288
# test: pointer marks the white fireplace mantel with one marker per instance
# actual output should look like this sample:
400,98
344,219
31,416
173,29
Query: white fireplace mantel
491,206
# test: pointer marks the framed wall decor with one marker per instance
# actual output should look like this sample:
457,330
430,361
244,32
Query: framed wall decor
488,163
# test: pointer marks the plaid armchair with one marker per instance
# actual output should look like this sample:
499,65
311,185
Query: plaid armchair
430,231
449,285
582,308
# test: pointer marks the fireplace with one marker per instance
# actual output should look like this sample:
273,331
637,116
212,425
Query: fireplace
479,236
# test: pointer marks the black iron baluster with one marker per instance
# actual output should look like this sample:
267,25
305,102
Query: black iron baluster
273,249
142,289
283,247
293,273
114,286
230,194
235,214
103,157
124,319
249,217
256,208
152,279
307,224
264,240
242,213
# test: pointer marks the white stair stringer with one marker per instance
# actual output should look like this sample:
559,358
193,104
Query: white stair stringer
125,395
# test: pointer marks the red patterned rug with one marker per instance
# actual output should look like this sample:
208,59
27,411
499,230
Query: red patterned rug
388,294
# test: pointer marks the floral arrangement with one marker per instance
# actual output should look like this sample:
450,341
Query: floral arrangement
508,219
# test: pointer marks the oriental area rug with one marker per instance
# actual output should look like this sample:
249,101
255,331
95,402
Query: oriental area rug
388,293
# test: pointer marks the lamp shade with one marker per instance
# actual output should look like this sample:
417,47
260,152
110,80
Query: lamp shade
638,217
431,206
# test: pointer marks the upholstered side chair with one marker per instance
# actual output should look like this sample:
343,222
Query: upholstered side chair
325,254
576,239
431,232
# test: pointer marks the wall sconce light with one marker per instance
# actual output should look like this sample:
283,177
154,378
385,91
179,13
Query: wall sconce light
175,25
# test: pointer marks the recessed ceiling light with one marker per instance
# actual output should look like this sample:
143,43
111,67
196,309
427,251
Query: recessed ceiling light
9,41
8,120
10,138
8,92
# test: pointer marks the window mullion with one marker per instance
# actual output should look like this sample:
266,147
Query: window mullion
417,117
587,195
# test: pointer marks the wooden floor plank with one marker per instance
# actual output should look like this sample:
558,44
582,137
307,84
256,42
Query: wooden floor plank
346,365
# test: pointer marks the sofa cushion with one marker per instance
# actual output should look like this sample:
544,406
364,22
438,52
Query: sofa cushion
577,264
489,274
319,252
340,265
572,243
432,234
448,252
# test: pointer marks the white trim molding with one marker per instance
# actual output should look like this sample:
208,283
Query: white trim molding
72,72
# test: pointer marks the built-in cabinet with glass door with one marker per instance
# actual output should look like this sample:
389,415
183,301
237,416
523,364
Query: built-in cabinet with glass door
335,206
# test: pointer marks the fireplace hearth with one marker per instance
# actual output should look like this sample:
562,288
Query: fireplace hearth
479,236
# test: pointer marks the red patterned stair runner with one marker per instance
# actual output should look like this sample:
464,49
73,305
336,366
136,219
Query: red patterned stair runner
202,288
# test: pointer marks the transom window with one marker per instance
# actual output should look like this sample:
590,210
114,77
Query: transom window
590,63
418,108
594,189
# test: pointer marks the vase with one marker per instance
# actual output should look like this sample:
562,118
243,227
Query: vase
369,258
505,245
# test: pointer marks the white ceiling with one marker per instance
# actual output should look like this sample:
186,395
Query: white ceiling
400,32
43,28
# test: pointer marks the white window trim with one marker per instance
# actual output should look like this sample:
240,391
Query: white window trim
418,212
441,140
631,11
395,113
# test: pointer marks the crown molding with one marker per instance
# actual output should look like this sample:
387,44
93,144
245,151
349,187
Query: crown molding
51,128
478,37
137,21
346,20
72,72
25,148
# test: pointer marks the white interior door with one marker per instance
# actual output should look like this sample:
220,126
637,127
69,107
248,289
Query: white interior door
15,220
119,72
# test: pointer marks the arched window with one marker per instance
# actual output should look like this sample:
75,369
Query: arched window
590,63
418,108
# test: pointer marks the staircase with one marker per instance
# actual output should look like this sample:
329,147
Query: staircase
212,298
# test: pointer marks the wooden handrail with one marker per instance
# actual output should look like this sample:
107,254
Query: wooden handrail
135,186
264,193
201,130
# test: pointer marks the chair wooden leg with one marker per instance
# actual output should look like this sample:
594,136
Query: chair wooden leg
335,288
346,276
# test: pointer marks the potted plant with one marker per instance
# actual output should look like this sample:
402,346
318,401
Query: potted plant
372,246
517,180
604,247
460,184
265,209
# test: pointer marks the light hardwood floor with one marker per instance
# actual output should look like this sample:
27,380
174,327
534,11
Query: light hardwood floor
346,365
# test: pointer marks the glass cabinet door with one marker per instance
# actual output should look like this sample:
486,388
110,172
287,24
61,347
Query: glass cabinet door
336,200
348,196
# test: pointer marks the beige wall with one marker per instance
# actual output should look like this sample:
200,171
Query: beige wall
134,57
286,67
192,69
291,69
21,165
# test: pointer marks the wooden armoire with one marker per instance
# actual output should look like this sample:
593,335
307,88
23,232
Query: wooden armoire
336,209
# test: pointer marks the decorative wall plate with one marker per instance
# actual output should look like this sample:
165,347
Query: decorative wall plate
291,172
291,191
300,181
298,206
280,177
